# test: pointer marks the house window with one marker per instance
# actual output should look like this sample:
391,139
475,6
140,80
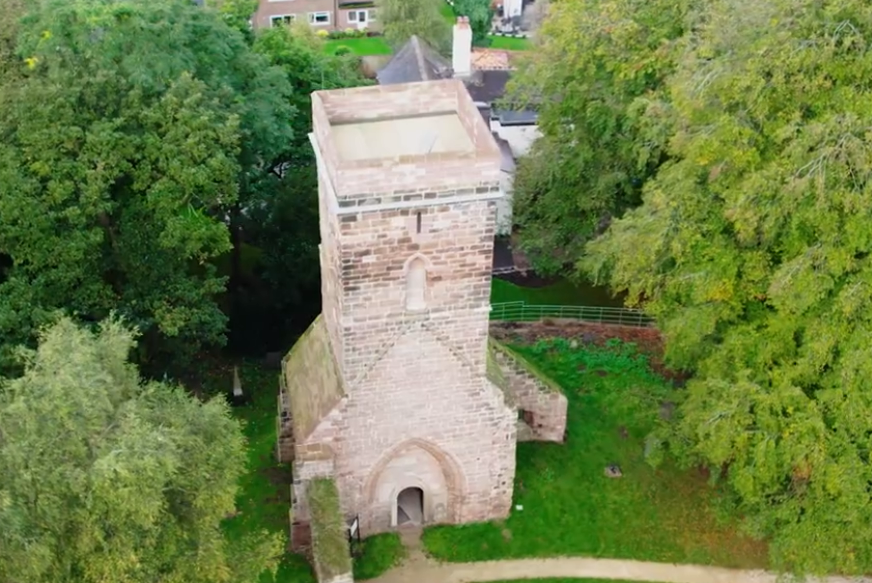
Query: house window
319,18
361,16
284,19
416,285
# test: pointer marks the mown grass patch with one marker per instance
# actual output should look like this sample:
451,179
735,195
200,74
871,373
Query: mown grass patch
380,553
509,43
362,47
560,293
571,508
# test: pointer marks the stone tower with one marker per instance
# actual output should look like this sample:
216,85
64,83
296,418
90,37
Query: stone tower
388,391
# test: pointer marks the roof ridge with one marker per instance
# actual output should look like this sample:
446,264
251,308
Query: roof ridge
419,57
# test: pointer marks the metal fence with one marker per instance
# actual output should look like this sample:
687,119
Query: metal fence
523,312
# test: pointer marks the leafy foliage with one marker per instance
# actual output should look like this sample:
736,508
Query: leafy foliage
753,249
401,19
106,478
600,137
114,190
480,16
284,220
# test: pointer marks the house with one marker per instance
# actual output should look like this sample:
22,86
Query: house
320,14
485,74
396,393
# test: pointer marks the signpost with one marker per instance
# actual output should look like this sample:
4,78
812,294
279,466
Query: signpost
354,536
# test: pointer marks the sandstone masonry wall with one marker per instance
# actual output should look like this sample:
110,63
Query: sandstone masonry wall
546,405
418,410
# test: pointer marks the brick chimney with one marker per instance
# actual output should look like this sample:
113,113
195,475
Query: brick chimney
461,49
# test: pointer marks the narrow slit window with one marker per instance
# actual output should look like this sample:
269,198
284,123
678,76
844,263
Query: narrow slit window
416,285
418,222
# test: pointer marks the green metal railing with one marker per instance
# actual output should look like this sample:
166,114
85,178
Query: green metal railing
523,312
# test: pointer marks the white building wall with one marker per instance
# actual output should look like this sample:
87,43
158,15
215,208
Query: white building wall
520,138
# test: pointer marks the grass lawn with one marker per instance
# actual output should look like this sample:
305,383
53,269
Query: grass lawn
571,508
363,46
562,293
264,497
508,43
380,553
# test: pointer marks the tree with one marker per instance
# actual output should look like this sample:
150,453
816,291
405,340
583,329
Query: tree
400,19
237,13
154,119
283,221
480,16
106,478
601,137
753,249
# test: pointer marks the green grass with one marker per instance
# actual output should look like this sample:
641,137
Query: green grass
363,46
507,43
562,293
264,496
379,553
571,508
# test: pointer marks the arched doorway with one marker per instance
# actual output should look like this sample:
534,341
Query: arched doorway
410,507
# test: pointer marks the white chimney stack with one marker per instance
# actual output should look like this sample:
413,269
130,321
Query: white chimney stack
461,49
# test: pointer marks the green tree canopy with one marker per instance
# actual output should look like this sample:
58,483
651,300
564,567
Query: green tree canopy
753,248
400,19
480,16
596,76
284,221
134,130
106,478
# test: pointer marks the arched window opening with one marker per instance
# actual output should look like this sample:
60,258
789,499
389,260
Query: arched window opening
416,285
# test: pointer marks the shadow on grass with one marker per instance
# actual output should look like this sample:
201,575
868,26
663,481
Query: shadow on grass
571,508
264,495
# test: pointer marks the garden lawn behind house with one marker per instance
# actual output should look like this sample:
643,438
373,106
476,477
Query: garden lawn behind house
361,46
509,43
263,502
571,508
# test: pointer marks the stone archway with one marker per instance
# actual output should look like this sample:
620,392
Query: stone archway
414,465
410,507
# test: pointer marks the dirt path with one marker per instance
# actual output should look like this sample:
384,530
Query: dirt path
419,569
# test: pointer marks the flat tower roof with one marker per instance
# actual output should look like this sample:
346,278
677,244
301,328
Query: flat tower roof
412,137
402,136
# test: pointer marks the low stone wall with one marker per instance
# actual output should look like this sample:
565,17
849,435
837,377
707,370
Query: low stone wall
540,402
330,555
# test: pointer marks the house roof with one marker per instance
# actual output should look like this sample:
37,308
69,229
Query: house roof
509,117
416,61
314,385
487,86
